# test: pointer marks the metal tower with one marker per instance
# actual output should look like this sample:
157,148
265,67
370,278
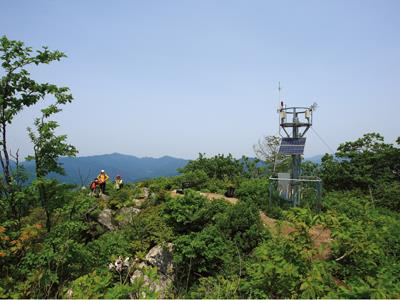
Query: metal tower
294,122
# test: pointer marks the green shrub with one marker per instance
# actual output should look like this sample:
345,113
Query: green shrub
90,286
149,229
255,191
242,224
275,270
203,253
215,287
110,245
388,195
192,212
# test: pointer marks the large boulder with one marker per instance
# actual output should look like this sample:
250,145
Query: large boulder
104,197
105,218
126,214
161,257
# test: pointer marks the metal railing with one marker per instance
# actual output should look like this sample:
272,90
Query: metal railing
297,191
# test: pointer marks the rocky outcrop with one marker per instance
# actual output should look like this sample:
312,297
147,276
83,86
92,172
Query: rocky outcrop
104,197
142,198
146,193
105,218
139,202
126,214
160,257
111,219
160,286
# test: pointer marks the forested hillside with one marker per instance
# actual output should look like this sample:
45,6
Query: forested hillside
210,232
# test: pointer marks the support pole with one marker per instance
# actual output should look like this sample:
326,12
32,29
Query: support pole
296,163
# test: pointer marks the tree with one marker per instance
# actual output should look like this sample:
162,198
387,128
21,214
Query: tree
267,150
367,164
362,163
217,167
18,90
48,147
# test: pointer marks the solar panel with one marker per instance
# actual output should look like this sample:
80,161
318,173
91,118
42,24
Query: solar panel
292,146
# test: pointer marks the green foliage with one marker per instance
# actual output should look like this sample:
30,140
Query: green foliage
109,246
274,271
191,212
367,164
59,259
18,90
387,195
196,179
149,229
120,291
90,286
219,166
203,253
254,191
366,239
241,223
217,287
308,168
47,146
51,195
362,164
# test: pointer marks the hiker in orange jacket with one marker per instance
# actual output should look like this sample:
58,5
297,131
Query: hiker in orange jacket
93,187
103,177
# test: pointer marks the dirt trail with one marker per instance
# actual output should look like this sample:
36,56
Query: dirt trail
210,196
321,237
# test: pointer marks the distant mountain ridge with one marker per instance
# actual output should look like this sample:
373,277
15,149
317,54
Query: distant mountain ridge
132,168
82,169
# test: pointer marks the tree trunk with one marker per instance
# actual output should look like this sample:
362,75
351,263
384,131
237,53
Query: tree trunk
5,162
43,202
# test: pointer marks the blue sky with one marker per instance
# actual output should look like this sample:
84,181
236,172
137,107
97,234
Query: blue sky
153,78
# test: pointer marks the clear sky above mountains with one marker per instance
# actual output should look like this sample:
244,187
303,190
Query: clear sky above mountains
154,78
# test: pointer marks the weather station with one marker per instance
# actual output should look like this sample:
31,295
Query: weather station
294,123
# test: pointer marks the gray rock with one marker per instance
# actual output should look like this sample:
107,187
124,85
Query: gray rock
138,202
145,193
104,197
105,218
160,286
161,258
126,215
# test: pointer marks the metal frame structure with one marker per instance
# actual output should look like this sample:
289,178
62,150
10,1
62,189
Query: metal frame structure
295,189
295,128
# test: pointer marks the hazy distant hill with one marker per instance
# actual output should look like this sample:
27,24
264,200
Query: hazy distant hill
315,159
130,167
